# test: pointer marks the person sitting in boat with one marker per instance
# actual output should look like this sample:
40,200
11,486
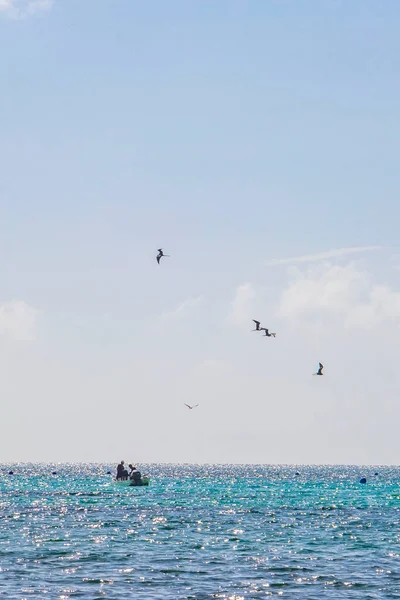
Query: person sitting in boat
135,475
122,473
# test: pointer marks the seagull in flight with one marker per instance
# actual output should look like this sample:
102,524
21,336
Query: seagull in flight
160,255
191,407
319,372
267,333
257,325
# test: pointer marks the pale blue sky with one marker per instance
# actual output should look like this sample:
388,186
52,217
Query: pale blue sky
229,133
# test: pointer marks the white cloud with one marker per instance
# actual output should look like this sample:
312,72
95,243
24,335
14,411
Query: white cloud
6,4
331,295
18,320
184,309
242,306
18,9
321,256
36,5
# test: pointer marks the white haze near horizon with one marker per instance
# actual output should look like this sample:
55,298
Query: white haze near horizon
227,135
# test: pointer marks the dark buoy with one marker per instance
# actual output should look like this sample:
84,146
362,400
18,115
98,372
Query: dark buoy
363,480
297,474
376,474
10,472
54,473
108,472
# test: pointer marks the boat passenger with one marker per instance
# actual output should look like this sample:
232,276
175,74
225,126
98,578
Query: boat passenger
135,475
122,473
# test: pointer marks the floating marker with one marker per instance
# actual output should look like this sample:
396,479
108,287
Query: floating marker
363,480
10,472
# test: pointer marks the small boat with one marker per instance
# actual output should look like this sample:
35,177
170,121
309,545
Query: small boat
132,482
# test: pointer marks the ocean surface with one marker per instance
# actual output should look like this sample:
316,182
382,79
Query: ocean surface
200,532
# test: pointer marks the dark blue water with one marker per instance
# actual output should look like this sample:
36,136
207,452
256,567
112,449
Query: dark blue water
224,532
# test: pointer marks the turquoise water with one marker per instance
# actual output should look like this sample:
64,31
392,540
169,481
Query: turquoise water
223,532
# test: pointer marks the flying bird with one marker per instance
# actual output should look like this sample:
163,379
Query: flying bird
257,325
160,255
319,372
191,407
267,333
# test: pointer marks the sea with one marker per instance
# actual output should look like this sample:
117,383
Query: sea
200,532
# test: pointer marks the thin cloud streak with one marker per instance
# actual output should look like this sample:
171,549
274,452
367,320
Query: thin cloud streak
184,310
322,255
19,9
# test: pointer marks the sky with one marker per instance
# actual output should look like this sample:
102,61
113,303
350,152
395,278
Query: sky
258,144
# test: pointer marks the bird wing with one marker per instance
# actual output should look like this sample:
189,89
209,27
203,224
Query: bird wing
195,406
187,405
257,322
158,258
321,366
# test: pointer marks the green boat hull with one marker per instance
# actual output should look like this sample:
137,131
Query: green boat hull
130,483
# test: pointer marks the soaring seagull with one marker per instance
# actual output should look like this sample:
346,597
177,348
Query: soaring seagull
319,372
191,407
160,255
267,333
257,325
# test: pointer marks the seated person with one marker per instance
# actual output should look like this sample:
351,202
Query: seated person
135,475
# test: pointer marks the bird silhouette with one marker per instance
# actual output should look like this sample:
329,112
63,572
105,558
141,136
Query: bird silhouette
191,407
160,255
257,325
319,372
267,333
